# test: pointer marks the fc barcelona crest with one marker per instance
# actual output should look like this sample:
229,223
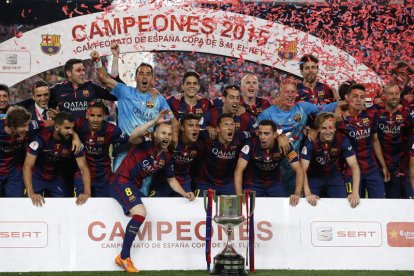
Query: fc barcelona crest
150,104
297,117
288,49
398,118
321,94
50,44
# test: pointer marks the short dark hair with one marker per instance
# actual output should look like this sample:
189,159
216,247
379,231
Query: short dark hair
39,83
222,116
344,88
17,117
307,58
191,74
188,117
268,123
322,117
69,64
4,87
62,117
359,86
146,65
230,86
98,104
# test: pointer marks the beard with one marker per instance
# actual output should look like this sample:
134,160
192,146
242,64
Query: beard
63,137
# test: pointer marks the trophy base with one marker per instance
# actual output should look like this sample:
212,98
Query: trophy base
225,265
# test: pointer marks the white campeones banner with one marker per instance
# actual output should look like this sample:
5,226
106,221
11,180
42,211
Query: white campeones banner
145,28
377,235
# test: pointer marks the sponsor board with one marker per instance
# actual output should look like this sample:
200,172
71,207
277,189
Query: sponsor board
23,234
17,62
88,237
346,234
400,234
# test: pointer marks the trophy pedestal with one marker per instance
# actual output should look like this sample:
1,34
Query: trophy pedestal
225,265
229,262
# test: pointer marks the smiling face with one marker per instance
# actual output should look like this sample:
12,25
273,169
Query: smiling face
190,87
4,99
162,137
144,78
41,96
327,130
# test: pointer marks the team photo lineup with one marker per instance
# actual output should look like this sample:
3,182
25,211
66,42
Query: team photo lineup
307,141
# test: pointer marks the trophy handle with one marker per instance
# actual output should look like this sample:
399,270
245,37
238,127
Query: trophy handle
205,196
205,200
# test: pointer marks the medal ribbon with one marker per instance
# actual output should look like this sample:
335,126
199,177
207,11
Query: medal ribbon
208,228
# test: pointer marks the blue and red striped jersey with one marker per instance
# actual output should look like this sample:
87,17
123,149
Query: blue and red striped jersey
254,110
141,161
219,161
264,165
12,148
51,154
97,146
183,156
181,108
327,159
390,135
321,94
244,122
359,130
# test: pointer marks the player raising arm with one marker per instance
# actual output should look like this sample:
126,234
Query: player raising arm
149,155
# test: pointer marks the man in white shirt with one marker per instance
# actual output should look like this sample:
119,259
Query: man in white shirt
41,96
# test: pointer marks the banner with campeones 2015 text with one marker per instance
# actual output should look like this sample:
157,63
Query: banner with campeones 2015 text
146,28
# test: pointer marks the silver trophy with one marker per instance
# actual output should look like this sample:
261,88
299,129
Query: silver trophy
229,213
